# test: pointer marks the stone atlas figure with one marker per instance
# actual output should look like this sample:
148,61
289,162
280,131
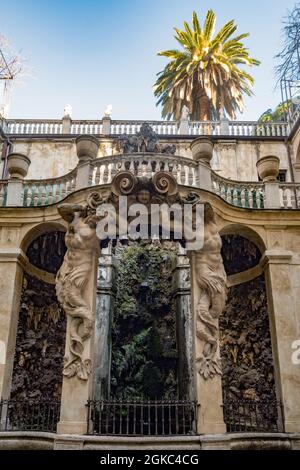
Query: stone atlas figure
83,245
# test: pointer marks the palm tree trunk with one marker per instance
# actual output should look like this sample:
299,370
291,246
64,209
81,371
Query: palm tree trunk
201,107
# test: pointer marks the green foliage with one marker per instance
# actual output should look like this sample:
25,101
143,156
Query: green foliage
144,354
205,75
277,115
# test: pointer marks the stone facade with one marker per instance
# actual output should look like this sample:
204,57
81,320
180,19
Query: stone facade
274,230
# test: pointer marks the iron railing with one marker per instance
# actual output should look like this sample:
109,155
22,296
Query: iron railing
253,416
141,418
29,415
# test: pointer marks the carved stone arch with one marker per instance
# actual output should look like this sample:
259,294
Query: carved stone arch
32,233
246,232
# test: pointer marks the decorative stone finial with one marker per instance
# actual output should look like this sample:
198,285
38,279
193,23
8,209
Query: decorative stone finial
17,165
268,168
87,147
108,111
67,111
202,149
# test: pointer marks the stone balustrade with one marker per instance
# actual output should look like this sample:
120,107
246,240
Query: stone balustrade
183,169
289,195
44,192
237,193
163,128
250,195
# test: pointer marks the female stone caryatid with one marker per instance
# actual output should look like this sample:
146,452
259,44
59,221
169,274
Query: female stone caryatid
211,297
71,281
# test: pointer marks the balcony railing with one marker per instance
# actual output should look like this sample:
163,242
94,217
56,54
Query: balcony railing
29,415
238,193
141,418
253,416
248,195
289,195
44,192
163,128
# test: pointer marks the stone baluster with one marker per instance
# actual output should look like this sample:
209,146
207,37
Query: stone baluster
235,196
1,195
63,190
113,170
105,174
29,195
243,196
43,195
50,194
35,195
182,174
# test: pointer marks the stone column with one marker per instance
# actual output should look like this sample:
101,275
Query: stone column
184,320
104,312
11,279
283,289
208,281
202,151
76,291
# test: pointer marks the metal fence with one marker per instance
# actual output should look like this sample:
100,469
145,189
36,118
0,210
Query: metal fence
253,416
141,418
29,415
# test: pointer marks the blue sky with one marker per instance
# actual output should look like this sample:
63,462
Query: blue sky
91,53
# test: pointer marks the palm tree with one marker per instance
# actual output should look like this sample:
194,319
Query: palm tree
205,76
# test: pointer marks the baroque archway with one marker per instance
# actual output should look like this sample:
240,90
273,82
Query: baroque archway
75,283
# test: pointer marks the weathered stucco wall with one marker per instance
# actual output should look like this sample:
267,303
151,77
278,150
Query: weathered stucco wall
233,159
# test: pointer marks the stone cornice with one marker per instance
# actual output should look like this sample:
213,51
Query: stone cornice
276,257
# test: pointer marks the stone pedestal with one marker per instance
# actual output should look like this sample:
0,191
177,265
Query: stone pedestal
282,276
84,173
106,125
75,391
66,124
14,193
272,195
208,389
11,278
204,176
202,151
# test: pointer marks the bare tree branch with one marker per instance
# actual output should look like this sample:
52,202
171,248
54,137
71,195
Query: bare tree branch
289,57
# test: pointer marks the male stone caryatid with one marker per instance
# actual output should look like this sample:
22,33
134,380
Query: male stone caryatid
210,280
72,279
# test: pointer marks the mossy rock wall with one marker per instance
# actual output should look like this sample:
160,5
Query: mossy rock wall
144,350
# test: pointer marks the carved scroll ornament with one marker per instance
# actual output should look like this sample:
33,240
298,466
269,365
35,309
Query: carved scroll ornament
211,298
71,281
